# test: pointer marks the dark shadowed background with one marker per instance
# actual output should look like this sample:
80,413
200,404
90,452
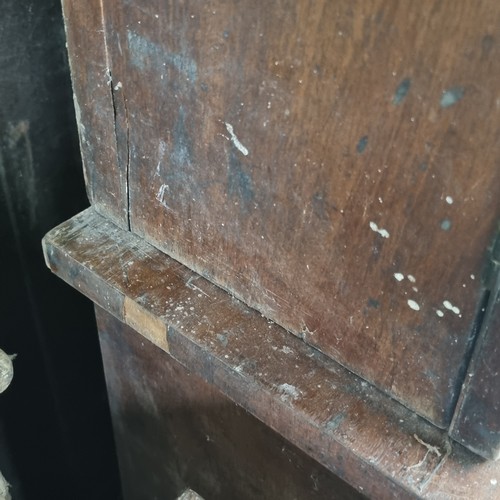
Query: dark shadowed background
55,432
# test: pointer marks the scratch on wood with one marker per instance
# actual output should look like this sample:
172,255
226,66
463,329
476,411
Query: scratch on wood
161,194
191,285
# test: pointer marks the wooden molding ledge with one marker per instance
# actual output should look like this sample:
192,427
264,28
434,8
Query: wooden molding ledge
369,440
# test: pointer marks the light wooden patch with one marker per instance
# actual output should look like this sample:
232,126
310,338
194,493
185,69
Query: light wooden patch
145,323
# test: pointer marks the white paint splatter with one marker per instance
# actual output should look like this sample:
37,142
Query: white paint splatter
472,277
118,86
449,200
451,96
399,276
288,391
383,232
493,482
411,278
451,307
413,305
242,149
440,313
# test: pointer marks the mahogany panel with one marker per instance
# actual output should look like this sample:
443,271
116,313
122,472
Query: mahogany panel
332,164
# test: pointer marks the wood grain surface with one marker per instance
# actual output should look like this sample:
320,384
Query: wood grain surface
174,430
334,165
476,422
354,430
104,167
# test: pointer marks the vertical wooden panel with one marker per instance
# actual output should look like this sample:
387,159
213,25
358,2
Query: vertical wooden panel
476,423
94,88
332,164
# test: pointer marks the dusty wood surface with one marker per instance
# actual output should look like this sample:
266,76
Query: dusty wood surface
332,164
366,438
174,430
104,167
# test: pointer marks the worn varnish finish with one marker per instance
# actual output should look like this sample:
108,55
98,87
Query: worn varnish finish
96,110
348,426
173,430
304,155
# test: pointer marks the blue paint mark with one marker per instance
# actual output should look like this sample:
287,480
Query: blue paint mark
362,143
182,146
373,303
321,207
401,92
145,54
446,224
176,171
451,96
239,182
335,422
487,44
222,339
